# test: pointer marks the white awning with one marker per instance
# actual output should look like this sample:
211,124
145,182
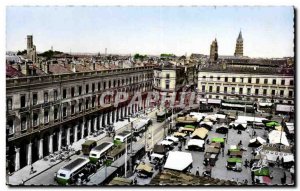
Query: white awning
285,108
165,142
288,158
265,104
216,101
276,137
178,160
220,116
207,123
154,155
196,142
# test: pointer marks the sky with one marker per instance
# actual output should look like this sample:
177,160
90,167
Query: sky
267,31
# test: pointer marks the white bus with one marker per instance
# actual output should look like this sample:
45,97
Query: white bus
69,173
99,152
123,136
140,126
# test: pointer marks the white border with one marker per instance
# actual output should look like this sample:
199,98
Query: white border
105,3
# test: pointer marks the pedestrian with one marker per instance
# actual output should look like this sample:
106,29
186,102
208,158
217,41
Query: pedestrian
207,141
222,152
254,133
240,143
179,147
246,182
197,171
135,181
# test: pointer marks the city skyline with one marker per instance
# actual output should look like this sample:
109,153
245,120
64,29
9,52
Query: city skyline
153,30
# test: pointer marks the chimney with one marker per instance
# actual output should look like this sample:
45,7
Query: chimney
26,69
94,65
73,67
46,67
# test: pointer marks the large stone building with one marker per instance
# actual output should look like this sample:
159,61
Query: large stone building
239,47
45,113
256,80
170,78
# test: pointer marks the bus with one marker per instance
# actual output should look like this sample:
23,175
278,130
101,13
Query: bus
163,115
140,127
98,153
70,173
115,153
87,146
123,136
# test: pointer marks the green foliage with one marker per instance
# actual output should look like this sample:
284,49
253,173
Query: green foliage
49,54
22,52
166,55
139,57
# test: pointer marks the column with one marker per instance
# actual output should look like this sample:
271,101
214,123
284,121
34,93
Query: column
41,149
104,118
50,138
17,159
89,126
100,121
75,131
68,136
59,138
29,154
82,129
128,110
110,117
119,113
95,124
116,115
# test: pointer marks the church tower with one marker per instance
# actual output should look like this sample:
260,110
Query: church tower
214,51
239,46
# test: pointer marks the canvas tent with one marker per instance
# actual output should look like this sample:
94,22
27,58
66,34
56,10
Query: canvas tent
256,142
178,160
195,144
277,137
200,133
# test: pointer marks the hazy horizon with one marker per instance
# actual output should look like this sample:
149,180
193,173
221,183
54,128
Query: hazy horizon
267,31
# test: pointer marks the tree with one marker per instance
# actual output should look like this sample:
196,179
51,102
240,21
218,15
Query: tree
23,52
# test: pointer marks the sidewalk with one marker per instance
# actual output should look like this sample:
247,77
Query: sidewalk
40,166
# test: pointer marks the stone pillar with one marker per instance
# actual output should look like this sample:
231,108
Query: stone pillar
100,121
95,124
89,126
68,136
41,154
59,139
82,129
29,154
116,115
50,139
75,132
17,159
110,117
104,118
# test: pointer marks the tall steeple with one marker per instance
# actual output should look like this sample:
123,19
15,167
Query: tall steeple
239,47
214,51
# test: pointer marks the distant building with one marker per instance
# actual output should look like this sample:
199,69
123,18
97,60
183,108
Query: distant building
239,46
31,49
257,80
214,51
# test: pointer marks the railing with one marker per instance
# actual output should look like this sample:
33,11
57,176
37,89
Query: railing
12,82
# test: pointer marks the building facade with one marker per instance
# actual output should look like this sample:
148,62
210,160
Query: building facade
249,82
45,113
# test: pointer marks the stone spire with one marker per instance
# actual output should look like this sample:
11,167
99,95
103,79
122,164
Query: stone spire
239,47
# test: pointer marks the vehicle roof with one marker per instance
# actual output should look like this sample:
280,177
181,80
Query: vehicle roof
74,164
124,133
102,146
89,142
